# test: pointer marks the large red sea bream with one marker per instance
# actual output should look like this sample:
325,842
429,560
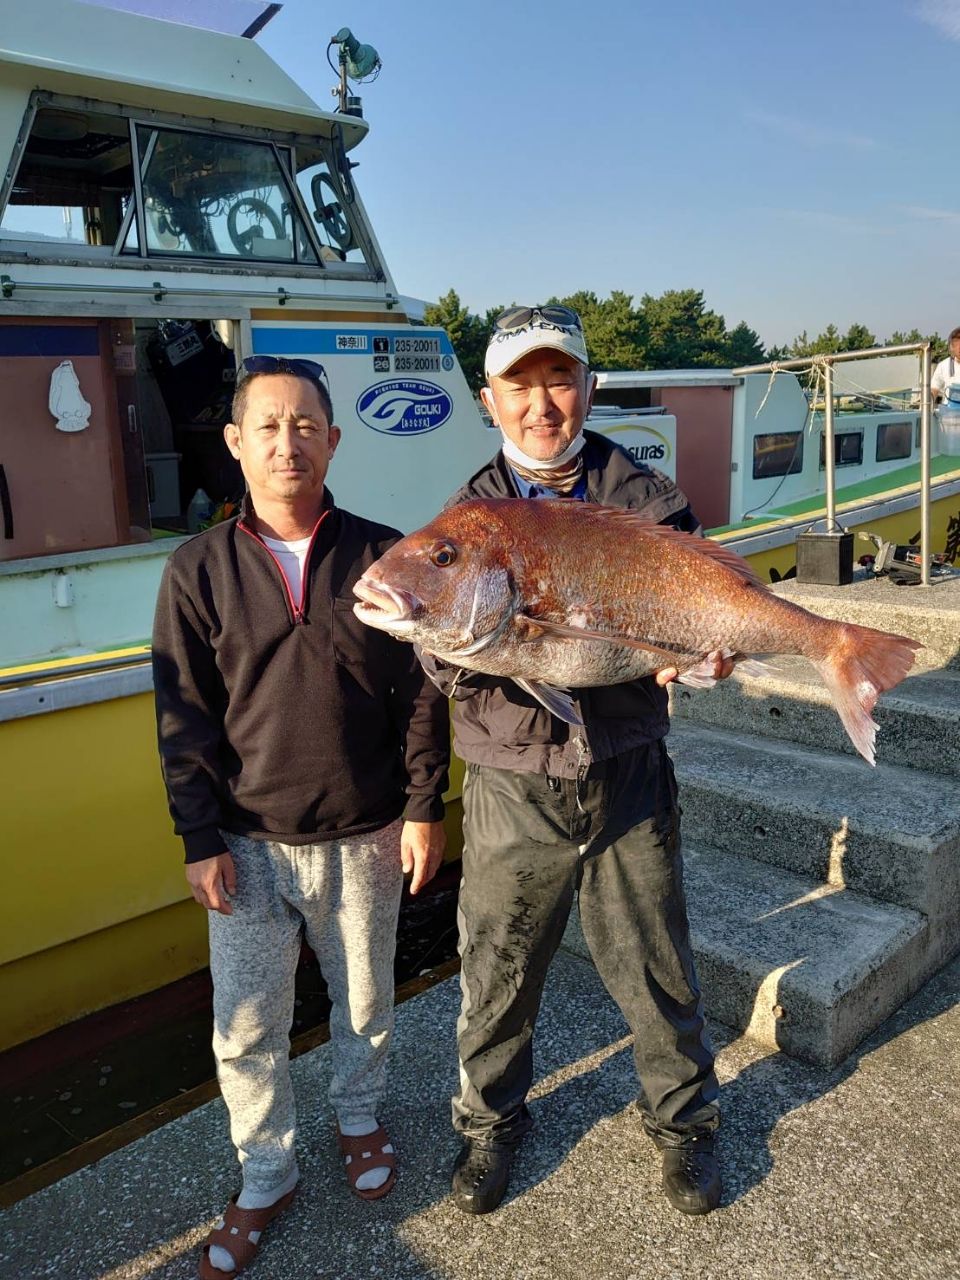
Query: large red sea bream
565,595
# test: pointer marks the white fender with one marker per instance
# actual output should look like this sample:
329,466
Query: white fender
66,399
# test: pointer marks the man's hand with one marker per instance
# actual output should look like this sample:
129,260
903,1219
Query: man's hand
721,668
421,851
213,882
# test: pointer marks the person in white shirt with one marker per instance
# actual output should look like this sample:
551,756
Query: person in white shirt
947,372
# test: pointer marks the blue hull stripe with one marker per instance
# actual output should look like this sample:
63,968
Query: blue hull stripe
330,341
61,340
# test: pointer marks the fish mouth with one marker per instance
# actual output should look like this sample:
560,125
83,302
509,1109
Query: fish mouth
386,607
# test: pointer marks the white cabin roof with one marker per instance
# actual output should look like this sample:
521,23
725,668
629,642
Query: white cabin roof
83,50
235,17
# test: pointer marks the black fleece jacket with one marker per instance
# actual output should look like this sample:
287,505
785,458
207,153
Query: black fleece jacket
288,720
495,722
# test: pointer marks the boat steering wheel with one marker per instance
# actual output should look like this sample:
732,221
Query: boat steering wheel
329,213
260,212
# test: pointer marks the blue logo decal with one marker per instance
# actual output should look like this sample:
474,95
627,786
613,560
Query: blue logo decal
404,407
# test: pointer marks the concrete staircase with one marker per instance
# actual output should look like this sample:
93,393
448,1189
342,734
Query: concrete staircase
822,893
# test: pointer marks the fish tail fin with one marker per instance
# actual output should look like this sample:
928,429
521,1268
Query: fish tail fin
860,664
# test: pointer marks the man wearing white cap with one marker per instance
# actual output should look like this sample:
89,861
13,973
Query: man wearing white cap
553,810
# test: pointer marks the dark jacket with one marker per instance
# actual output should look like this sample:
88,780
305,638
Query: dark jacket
497,723
281,723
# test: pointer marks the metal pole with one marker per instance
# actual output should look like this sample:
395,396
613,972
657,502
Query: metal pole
925,465
830,470
342,104
802,362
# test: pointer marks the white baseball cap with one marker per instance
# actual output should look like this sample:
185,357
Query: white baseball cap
519,330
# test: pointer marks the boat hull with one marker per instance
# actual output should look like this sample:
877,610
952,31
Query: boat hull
96,907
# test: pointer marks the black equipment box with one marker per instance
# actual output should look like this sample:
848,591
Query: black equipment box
825,559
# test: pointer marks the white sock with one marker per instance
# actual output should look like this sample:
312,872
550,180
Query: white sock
373,1178
220,1258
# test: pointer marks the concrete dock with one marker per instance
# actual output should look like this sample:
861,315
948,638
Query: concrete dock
853,1172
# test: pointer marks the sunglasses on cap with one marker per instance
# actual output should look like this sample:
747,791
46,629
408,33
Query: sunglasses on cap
520,317
281,364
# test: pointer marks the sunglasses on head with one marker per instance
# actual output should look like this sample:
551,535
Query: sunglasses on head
520,317
281,364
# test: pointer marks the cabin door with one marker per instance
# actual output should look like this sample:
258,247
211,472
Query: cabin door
62,481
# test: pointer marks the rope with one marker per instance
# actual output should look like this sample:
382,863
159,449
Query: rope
884,398
816,376
775,369
817,367
818,363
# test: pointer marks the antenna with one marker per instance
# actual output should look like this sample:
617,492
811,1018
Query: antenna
358,62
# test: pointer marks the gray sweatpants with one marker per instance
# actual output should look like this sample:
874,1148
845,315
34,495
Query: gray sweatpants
344,897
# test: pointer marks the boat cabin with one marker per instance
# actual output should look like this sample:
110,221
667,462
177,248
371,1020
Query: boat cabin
173,202
765,434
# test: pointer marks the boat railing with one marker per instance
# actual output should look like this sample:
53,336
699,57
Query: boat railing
160,291
823,363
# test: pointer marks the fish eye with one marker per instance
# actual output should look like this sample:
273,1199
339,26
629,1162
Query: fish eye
443,554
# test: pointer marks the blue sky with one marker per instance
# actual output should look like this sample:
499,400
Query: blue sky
801,167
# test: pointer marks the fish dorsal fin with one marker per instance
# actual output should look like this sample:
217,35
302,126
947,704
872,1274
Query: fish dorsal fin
667,534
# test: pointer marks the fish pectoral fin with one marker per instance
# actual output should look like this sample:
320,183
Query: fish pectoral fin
754,667
562,631
557,701
700,676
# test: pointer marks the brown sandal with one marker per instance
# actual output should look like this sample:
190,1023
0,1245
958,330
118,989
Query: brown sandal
234,1236
369,1151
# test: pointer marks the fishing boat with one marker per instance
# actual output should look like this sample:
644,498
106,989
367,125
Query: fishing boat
749,450
172,203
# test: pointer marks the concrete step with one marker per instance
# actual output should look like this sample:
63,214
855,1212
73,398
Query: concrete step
928,614
919,720
798,966
889,832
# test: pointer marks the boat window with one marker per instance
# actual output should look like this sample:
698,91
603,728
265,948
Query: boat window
847,449
217,197
894,440
778,453
330,208
75,179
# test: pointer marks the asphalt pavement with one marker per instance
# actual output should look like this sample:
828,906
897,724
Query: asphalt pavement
847,1173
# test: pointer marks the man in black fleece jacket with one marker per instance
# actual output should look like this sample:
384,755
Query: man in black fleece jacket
553,812
305,758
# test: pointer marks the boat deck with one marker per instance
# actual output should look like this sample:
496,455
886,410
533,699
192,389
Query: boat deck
826,1173
941,466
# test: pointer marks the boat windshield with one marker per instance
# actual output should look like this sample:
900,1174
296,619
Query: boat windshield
74,182
201,194
218,197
